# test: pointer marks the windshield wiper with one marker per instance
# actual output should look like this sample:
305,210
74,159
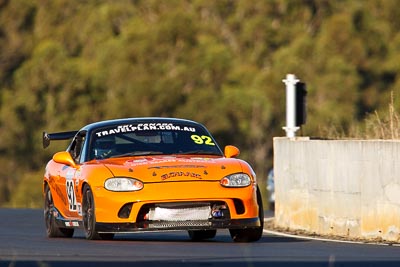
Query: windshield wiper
137,153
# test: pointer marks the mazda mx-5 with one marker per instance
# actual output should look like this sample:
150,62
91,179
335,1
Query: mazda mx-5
149,174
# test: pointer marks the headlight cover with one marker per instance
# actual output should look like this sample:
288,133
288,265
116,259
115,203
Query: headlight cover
236,180
123,184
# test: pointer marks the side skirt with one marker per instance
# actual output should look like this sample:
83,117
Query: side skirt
64,222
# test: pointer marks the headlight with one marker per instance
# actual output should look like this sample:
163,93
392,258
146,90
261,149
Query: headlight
122,184
236,180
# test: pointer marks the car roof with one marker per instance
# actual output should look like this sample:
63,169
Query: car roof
106,123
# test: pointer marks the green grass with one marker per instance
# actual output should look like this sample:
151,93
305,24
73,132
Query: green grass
384,125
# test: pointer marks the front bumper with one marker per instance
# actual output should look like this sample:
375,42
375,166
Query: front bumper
241,202
172,225
160,225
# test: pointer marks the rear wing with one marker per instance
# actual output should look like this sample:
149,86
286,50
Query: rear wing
47,137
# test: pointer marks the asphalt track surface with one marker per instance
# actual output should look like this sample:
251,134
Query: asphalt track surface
23,243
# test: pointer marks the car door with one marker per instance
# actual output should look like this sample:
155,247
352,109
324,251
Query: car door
66,184
70,177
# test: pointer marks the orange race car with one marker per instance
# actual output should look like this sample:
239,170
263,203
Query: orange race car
149,174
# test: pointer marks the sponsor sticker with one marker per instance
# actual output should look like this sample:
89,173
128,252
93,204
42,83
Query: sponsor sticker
72,224
180,174
144,127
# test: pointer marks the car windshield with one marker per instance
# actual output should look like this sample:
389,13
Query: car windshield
152,139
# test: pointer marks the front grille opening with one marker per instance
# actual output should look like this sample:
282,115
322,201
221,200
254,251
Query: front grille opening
239,206
220,210
125,211
143,214
183,212
178,224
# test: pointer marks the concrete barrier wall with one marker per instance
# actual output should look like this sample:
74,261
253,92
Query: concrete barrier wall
339,187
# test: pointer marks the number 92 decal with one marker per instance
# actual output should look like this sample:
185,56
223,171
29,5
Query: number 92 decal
71,195
204,139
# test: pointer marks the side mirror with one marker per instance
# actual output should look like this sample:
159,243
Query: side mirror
231,151
64,157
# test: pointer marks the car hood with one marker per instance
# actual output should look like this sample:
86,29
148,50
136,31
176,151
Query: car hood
174,168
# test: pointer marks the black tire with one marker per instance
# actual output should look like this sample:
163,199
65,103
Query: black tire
88,214
199,235
50,221
250,234
89,217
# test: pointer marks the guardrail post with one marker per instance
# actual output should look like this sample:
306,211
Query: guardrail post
290,127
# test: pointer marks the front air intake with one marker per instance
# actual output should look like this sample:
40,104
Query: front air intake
125,211
239,206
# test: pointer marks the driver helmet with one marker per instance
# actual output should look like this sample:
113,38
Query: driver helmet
104,147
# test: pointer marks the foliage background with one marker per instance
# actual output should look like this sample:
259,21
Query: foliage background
67,63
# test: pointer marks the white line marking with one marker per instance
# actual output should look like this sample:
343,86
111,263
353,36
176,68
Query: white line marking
271,232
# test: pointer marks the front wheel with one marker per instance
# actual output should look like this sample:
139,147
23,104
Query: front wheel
89,217
51,227
250,234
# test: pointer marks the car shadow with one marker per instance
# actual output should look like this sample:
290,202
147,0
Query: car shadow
222,236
